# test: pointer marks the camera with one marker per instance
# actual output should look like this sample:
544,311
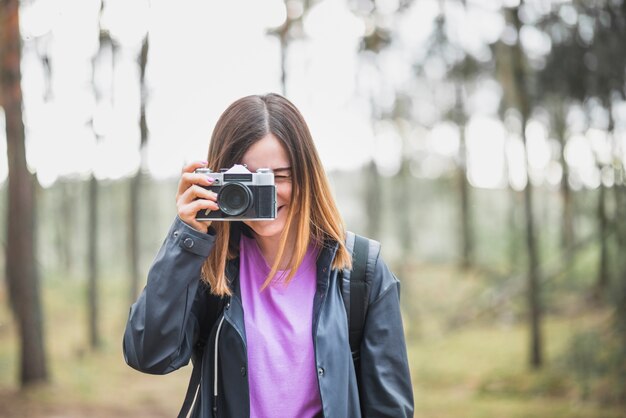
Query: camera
241,194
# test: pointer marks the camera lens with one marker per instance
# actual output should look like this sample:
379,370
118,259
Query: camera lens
234,199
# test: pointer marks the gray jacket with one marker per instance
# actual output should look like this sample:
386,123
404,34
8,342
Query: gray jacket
169,318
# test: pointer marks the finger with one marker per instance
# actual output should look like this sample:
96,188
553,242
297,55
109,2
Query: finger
196,192
189,168
189,210
189,179
201,226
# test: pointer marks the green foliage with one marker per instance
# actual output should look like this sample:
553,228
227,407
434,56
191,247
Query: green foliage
550,383
595,359
480,371
589,368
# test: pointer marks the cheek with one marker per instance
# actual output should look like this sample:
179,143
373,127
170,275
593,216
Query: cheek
283,193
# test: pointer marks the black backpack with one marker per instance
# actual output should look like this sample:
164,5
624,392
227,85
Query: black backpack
355,291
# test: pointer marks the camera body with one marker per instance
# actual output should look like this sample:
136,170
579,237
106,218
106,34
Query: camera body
241,194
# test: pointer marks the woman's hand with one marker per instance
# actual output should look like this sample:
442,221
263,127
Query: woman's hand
191,197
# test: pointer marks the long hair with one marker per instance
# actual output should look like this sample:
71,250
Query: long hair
313,215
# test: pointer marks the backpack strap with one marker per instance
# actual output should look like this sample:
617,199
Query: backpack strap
215,306
359,294
192,390
355,288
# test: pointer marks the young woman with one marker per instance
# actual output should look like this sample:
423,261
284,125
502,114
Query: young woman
258,304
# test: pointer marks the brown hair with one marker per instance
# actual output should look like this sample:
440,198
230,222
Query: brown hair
315,219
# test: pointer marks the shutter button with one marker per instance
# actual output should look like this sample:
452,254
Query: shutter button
188,242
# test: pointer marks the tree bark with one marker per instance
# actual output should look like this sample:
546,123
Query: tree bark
567,225
603,279
467,239
533,287
92,294
603,227
135,184
373,206
619,295
21,265
92,282
403,210
63,212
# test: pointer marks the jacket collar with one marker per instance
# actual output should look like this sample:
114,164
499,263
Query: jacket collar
324,261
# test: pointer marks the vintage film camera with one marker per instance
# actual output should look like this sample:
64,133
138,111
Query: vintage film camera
241,194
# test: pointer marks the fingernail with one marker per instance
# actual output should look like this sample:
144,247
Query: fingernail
204,162
211,179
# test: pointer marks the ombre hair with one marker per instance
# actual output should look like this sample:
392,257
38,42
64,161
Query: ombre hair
313,215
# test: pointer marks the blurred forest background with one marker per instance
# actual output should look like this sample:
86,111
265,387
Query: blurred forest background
483,142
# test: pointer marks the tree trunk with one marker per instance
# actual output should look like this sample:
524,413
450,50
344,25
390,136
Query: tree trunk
513,197
92,283
283,59
133,234
373,207
63,229
619,296
533,275
603,227
533,288
403,210
92,296
534,303
21,266
135,183
463,184
603,279
567,225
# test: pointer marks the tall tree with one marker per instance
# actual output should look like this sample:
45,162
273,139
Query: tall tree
93,302
136,189
372,44
562,83
515,79
587,61
21,265
619,296
373,206
462,69
606,82
290,29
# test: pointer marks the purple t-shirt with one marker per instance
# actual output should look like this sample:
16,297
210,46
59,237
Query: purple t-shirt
281,361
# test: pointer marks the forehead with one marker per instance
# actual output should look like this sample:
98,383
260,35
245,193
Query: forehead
267,152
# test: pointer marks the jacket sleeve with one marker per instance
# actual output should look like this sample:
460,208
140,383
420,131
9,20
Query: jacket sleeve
385,381
163,323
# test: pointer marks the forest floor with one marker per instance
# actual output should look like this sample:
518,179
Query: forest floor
472,371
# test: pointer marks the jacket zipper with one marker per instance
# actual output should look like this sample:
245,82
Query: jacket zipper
215,365
319,386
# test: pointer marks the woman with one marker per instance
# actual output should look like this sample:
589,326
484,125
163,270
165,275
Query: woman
265,295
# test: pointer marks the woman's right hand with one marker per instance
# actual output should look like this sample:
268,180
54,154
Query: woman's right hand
191,197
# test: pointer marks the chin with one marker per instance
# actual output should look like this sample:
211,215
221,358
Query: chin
266,228
269,228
